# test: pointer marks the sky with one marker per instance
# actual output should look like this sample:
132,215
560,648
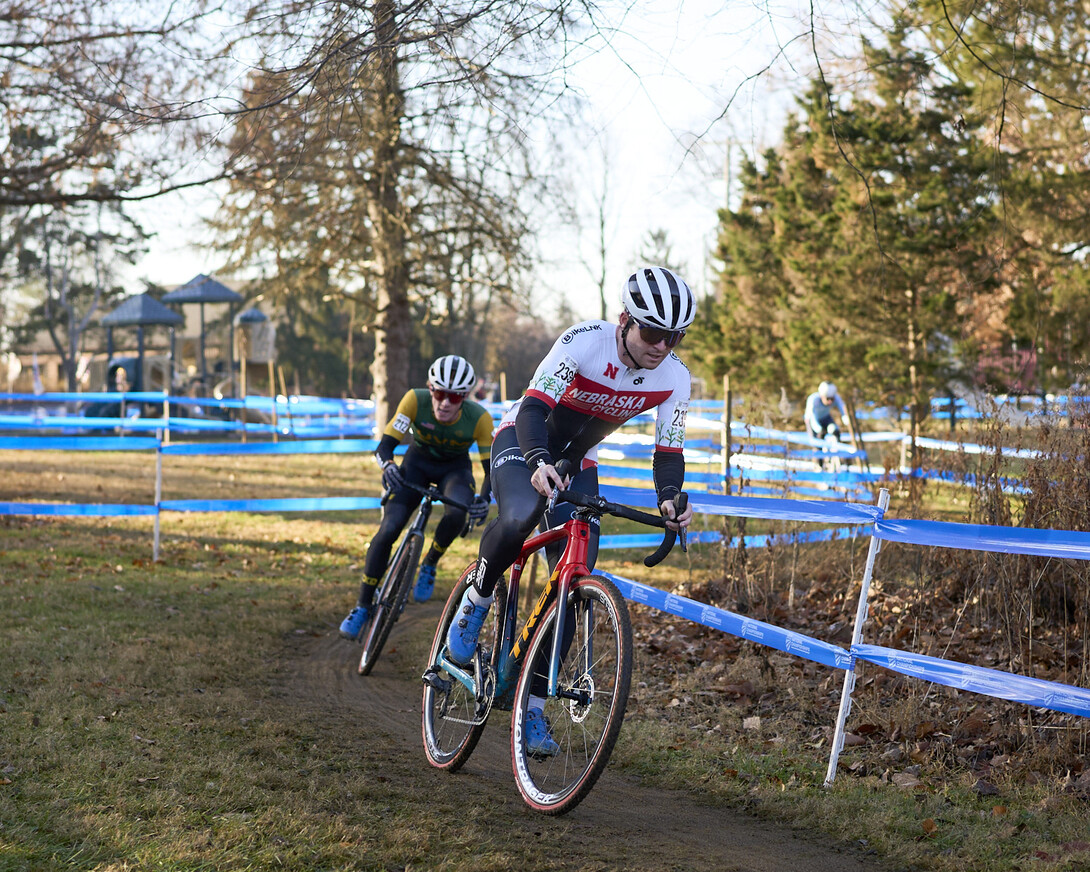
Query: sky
681,91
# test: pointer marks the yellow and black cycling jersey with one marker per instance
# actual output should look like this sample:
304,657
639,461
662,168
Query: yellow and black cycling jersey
437,440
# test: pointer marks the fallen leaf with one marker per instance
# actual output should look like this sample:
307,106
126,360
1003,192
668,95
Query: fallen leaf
972,726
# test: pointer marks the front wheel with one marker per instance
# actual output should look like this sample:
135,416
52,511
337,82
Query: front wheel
390,599
453,715
592,692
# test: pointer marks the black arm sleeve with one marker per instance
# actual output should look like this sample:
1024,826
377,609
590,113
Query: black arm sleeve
385,450
668,468
486,483
532,433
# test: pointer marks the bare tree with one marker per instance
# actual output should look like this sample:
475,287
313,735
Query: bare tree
93,93
69,265
413,118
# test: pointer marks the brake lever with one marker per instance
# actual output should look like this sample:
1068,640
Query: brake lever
562,469
681,501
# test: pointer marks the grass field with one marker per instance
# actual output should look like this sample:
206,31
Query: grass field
146,717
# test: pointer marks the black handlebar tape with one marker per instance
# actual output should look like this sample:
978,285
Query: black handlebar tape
668,539
670,536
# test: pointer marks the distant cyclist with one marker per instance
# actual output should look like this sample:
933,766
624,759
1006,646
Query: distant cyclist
819,411
597,375
444,425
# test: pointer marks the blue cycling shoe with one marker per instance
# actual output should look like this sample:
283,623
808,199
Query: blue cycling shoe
425,583
352,626
465,629
539,739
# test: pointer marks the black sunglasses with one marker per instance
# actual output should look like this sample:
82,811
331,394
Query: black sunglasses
655,335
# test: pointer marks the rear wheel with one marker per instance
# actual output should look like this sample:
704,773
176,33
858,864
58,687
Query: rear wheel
453,717
592,693
390,599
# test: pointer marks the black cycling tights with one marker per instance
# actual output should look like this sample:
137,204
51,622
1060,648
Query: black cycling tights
453,478
520,509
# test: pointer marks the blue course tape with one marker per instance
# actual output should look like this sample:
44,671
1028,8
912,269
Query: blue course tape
977,537
90,396
76,422
754,507
978,679
90,510
79,443
704,537
318,504
720,619
310,446
652,540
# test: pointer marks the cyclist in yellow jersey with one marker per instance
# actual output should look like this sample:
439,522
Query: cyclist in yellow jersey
444,425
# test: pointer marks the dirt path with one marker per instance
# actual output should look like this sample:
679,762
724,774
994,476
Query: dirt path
621,824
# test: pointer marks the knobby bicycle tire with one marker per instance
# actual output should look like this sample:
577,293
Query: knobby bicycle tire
598,667
447,716
390,599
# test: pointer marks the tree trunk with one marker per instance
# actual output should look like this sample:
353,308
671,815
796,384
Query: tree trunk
393,334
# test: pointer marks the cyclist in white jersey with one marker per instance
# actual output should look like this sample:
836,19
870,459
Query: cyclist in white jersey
596,376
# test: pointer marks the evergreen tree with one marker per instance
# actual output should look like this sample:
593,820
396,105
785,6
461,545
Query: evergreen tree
1028,68
861,248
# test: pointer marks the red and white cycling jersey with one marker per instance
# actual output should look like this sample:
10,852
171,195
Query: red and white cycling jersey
591,392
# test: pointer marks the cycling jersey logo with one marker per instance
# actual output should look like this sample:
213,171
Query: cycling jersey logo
611,371
506,458
575,331
610,404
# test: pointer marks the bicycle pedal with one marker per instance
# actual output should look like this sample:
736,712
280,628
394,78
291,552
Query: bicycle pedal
431,679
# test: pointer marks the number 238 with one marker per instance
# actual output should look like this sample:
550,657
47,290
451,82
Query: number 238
565,372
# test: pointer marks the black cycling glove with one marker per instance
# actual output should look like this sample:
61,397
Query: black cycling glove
391,476
478,509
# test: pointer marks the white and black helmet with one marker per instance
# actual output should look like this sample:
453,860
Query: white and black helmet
451,373
658,297
827,390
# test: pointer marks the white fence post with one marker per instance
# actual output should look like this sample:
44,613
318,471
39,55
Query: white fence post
158,497
857,635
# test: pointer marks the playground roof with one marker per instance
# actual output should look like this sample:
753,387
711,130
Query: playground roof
203,289
140,311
